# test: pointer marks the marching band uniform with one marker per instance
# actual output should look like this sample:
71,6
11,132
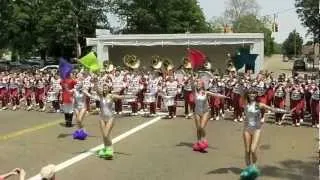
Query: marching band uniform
118,87
279,100
237,92
40,93
315,98
188,96
67,99
172,90
262,96
307,96
4,92
142,90
297,102
14,92
159,97
216,103
55,88
133,87
228,93
153,90
28,91
87,86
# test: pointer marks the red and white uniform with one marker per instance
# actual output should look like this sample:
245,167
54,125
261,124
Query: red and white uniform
315,98
4,91
171,90
297,102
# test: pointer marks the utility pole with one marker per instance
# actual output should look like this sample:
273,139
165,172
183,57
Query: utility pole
295,43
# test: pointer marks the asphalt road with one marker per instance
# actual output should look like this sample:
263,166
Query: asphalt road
159,151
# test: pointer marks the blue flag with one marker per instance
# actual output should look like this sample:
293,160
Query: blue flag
65,68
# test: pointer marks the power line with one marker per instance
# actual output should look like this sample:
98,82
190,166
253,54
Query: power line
279,12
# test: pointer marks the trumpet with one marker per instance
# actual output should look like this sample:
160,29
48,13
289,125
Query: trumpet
131,61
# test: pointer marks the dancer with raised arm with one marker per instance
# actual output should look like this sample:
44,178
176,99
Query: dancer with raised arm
202,114
251,131
106,100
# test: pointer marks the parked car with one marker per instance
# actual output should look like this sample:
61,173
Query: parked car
49,67
299,65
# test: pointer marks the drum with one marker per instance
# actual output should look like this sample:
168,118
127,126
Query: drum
149,98
52,96
205,76
129,98
168,100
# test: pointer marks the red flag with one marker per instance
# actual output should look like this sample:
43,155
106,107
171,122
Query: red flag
196,58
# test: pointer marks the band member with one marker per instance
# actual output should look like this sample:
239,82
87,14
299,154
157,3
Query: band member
142,90
107,121
252,129
55,88
68,85
28,84
132,90
279,101
315,98
262,95
216,103
40,92
80,111
201,115
153,91
297,103
14,92
87,87
172,91
118,87
4,91
188,96
307,94
228,93
237,92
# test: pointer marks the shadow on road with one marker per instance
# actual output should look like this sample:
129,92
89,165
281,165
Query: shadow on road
289,169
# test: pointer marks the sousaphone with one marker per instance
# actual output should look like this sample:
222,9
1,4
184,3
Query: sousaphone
167,63
131,61
156,62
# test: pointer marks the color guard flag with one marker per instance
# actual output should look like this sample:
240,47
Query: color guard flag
91,62
196,58
65,68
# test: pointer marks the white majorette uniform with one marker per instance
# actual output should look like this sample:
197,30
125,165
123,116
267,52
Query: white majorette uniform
170,98
79,98
252,120
201,103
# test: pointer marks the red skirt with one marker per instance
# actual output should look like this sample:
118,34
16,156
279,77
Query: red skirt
298,105
279,102
14,92
27,92
262,99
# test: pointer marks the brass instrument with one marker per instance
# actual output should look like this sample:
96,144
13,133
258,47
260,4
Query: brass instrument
186,63
131,61
207,66
108,67
156,62
167,64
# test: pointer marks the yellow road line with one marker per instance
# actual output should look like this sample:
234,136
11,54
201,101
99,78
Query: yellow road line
29,130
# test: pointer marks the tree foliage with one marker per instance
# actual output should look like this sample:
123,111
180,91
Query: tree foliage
167,16
308,12
293,44
51,27
238,8
251,24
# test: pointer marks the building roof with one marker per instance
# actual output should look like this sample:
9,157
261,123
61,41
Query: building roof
175,39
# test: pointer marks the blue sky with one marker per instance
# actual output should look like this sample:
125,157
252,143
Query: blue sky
288,20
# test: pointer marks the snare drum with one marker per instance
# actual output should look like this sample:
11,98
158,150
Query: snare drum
168,100
52,96
129,98
149,98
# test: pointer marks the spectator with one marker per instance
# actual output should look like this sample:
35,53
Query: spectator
48,172
15,172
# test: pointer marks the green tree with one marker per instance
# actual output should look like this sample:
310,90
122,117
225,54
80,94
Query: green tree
308,12
168,16
293,44
237,8
251,24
